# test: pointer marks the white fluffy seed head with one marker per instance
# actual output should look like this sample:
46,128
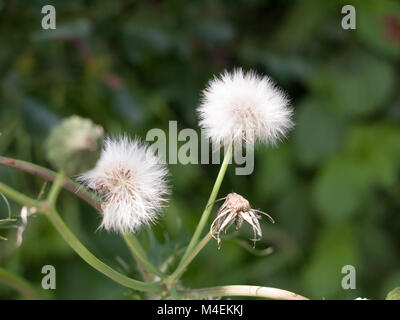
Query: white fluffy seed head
242,107
132,182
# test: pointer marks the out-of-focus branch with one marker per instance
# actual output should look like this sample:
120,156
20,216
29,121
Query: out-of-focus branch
50,175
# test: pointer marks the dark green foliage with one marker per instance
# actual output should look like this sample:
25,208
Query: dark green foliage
332,186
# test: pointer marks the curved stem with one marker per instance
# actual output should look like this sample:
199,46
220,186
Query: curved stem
19,284
55,190
210,203
182,267
50,175
69,237
20,198
92,260
131,240
81,250
241,291
138,251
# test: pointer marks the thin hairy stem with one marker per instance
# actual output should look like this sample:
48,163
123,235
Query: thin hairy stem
241,291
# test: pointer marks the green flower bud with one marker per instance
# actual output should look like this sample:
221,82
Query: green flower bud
74,145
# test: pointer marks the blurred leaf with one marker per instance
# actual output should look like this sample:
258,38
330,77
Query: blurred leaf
354,85
303,21
38,118
284,68
394,294
371,159
214,32
292,214
127,107
76,29
377,250
334,248
165,252
155,38
318,134
378,147
340,189
378,25
275,172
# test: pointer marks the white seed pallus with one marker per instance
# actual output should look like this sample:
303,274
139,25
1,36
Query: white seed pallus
132,182
244,107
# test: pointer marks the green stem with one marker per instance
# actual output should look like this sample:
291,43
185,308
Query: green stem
86,255
175,294
55,190
182,267
20,198
241,291
138,251
19,284
81,250
49,208
145,274
209,206
50,175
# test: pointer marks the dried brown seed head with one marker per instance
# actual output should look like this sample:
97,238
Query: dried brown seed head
236,202
236,209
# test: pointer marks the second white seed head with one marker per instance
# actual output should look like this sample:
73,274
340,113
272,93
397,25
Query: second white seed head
244,107
132,183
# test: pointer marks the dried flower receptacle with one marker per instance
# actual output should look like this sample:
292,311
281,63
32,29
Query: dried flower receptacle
236,209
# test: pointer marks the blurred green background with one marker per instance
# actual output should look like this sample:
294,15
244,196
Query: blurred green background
332,187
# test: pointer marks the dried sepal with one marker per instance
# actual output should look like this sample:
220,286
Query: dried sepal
236,209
